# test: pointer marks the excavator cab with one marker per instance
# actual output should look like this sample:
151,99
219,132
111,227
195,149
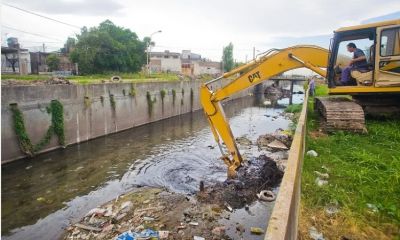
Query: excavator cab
380,43
378,83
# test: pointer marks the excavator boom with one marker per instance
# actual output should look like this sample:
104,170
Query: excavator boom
272,63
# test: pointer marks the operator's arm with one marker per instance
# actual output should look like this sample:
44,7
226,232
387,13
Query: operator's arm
358,56
358,59
269,65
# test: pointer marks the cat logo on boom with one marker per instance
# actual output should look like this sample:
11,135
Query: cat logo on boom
254,76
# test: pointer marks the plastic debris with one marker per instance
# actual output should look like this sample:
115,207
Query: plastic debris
373,207
322,175
320,182
332,208
163,234
96,211
312,153
314,234
325,168
198,238
266,195
126,206
145,234
228,207
120,216
108,228
89,228
267,102
218,231
256,230
276,144
182,226
148,219
194,223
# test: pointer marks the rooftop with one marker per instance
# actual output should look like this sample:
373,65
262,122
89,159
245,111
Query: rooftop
370,25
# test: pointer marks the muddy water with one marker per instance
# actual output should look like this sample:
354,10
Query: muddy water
40,196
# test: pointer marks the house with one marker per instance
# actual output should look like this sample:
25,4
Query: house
207,67
15,59
38,62
187,54
165,61
187,63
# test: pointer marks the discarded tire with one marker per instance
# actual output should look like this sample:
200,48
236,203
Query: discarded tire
266,195
116,79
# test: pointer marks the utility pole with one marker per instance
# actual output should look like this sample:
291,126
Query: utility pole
148,52
254,53
44,48
19,59
222,61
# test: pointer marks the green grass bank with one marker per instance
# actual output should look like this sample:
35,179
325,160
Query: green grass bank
363,183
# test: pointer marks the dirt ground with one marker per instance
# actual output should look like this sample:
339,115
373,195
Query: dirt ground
48,81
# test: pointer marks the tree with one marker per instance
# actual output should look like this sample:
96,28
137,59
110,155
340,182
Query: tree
53,62
227,57
108,48
13,60
237,64
69,45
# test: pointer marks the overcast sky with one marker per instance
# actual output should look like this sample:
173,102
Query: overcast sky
202,26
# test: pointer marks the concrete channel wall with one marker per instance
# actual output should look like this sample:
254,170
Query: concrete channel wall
284,221
90,112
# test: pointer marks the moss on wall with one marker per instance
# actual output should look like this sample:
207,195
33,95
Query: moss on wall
56,128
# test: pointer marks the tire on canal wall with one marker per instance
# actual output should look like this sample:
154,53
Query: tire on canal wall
93,110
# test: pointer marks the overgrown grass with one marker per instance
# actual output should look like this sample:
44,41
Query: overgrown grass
24,77
294,108
97,78
364,172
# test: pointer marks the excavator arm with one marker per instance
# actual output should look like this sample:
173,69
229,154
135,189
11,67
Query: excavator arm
272,63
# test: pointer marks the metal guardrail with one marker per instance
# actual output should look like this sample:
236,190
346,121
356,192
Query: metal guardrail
283,224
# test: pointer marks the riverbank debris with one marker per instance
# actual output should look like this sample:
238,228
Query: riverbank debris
314,234
312,153
266,195
145,234
276,144
277,141
244,141
89,228
322,175
321,182
256,230
208,214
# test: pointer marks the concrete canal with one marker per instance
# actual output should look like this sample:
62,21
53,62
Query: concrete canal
41,196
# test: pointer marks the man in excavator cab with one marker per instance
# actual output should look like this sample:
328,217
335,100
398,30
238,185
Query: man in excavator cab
359,62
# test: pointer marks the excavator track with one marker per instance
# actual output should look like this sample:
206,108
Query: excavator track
340,113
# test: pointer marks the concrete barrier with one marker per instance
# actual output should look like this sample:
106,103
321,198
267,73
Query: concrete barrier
283,224
92,110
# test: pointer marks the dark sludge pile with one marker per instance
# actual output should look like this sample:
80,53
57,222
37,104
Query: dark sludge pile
255,175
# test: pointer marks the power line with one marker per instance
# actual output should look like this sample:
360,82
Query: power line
36,14
35,34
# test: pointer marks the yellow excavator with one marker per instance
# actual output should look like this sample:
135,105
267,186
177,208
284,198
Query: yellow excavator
377,88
